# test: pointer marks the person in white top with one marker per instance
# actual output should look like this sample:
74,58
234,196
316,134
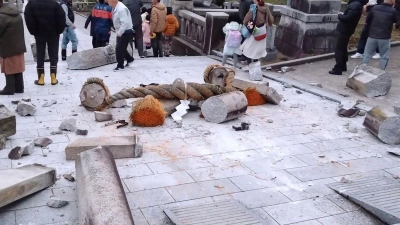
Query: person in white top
123,26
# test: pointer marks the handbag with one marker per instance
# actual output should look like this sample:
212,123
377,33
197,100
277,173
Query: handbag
260,33
248,28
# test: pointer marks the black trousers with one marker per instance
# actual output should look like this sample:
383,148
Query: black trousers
52,46
94,41
121,49
156,44
341,53
139,39
363,41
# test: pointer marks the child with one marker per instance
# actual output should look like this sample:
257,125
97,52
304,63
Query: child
233,39
146,32
144,14
171,26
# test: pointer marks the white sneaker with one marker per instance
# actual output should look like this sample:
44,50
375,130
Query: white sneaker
357,56
376,56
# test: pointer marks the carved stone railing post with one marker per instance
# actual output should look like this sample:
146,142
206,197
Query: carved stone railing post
192,28
215,21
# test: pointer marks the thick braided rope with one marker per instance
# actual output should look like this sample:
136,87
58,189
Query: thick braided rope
229,78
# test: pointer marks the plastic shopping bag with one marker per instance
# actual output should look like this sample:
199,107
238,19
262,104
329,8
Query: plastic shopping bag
255,71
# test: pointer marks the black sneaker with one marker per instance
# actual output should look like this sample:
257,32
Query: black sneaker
142,57
118,69
127,63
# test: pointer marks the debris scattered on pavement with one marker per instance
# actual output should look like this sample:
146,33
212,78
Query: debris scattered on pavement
394,152
102,116
68,125
69,177
56,132
28,149
362,113
299,92
345,180
42,142
350,113
314,125
287,85
243,126
15,153
56,203
270,121
344,95
321,156
316,84
384,124
50,103
122,123
26,108
119,104
81,132
286,69
14,102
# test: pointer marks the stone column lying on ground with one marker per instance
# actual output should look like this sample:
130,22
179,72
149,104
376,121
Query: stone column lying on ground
120,146
23,181
92,58
101,197
221,108
384,124
34,53
8,123
92,95
269,93
370,81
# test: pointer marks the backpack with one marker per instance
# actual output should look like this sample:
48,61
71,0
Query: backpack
234,39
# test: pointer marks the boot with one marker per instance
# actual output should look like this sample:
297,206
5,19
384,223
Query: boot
40,72
19,83
53,74
9,89
64,54
73,51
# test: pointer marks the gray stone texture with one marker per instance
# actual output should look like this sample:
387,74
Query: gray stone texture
23,181
384,124
56,203
2,141
169,105
92,58
26,108
371,81
119,103
68,125
34,52
316,6
42,142
100,193
8,123
102,116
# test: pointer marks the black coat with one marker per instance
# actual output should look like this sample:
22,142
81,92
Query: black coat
244,7
92,25
44,18
348,21
134,7
380,21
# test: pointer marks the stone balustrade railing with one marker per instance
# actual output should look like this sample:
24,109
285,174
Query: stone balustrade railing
192,28
83,6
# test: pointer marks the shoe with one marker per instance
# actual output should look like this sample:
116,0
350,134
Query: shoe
53,75
357,56
64,54
127,63
19,83
344,68
142,57
335,72
40,81
118,69
166,55
73,51
9,89
376,56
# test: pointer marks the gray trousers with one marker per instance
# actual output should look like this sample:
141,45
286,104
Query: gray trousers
384,48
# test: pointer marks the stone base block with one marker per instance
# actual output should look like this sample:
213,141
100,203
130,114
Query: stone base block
316,6
34,53
370,81
384,124
8,123
92,58
181,47
272,54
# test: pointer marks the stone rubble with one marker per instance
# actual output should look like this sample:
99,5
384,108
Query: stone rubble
92,58
68,125
8,123
102,116
50,103
286,69
316,84
26,108
15,153
119,104
56,203
69,177
81,132
28,149
2,141
397,109
42,142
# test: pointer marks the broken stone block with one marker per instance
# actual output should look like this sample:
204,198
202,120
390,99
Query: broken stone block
286,69
69,177
56,203
8,123
26,108
120,146
119,104
81,132
370,81
50,103
23,181
92,58
169,105
68,125
225,107
2,141
28,149
15,153
102,116
42,142
101,195
316,84
384,124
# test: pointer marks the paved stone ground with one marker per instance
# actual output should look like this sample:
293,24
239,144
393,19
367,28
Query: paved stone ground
278,170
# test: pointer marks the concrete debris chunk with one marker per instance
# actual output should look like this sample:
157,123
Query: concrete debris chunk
316,84
15,153
8,123
2,141
384,124
15,102
42,142
286,69
24,181
102,116
28,149
350,113
92,58
69,177
370,81
362,113
56,203
299,92
68,125
50,103
81,132
270,121
56,132
345,180
352,128
119,104
26,108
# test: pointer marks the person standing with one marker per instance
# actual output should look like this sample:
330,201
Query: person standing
233,39
134,8
69,34
158,16
146,32
102,18
123,25
348,22
380,21
171,26
45,19
12,58
92,27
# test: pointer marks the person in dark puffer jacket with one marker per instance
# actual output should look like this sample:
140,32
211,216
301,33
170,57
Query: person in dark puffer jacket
134,8
45,19
102,18
348,22
380,21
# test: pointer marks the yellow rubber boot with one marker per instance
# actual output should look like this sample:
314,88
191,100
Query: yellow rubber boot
53,75
40,81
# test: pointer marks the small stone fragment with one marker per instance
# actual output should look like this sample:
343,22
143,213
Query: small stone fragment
286,85
68,125
286,69
69,177
26,108
316,84
102,116
269,121
396,177
14,102
50,103
352,129
295,106
81,132
56,203
56,132
314,125
321,156
397,109
299,92
362,113
28,149
119,104
345,180
15,153
42,142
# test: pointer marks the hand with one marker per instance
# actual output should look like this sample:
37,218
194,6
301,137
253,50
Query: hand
109,32
73,26
118,35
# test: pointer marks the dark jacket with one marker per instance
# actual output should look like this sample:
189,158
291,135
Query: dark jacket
44,18
70,15
348,21
380,21
244,7
102,18
12,40
92,24
134,8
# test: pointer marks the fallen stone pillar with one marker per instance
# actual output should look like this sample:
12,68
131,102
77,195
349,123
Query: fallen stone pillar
120,146
101,197
370,81
221,108
8,123
92,58
269,93
23,181
384,124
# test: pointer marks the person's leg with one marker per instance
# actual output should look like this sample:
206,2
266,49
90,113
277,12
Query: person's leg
369,50
120,51
159,38
384,49
53,47
19,83
363,40
40,54
127,40
224,57
9,89
154,46
235,60
341,45
139,40
345,53
74,39
94,41
64,44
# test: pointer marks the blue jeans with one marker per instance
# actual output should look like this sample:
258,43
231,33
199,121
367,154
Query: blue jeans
384,48
69,35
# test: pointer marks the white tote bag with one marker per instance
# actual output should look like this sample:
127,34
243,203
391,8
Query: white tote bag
255,71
